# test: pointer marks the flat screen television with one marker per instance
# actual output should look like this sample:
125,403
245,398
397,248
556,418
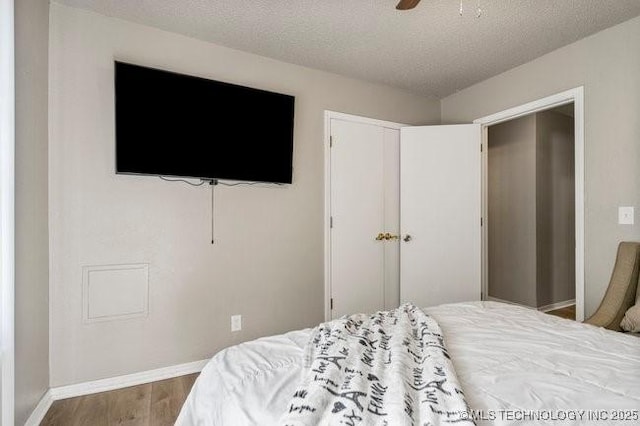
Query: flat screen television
170,124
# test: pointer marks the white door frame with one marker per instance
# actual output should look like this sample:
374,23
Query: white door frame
328,116
7,229
575,96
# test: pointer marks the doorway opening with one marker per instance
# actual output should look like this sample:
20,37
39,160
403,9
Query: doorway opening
533,204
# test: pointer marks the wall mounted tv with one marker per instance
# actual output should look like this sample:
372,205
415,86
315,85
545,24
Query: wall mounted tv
171,124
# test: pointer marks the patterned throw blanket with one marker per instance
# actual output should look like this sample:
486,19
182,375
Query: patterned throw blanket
389,368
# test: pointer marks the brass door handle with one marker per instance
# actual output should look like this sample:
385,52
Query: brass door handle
386,236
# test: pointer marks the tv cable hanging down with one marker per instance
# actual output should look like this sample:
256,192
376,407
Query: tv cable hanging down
213,183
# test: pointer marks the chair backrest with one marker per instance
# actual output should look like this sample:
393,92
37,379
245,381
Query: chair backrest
621,293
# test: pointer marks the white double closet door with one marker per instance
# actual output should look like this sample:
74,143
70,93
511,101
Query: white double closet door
405,215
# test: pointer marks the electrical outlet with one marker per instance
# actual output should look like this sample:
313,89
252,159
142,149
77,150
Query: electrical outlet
625,215
236,322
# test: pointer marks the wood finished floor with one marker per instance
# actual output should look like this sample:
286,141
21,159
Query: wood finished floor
569,312
151,404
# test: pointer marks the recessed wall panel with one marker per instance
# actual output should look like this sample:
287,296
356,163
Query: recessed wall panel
113,292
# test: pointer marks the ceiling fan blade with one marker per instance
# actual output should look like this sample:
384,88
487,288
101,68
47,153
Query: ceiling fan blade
407,4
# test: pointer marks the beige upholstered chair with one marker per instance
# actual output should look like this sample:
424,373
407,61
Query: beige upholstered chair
621,293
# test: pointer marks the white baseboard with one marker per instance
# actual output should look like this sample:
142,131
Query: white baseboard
119,382
558,305
41,409
495,299
545,308
112,383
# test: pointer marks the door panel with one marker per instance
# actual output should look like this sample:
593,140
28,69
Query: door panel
392,217
357,209
440,211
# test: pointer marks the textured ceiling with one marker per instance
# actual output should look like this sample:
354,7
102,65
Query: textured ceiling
431,49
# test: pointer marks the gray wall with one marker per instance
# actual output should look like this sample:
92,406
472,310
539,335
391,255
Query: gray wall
512,211
607,64
555,208
32,239
531,210
267,263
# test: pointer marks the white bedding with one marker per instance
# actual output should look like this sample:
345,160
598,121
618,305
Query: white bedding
513,364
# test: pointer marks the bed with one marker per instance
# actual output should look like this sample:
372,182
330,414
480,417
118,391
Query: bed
514,364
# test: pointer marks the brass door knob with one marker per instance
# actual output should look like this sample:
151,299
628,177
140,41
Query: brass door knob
390,237
380,237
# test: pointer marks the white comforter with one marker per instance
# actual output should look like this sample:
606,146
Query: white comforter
513,364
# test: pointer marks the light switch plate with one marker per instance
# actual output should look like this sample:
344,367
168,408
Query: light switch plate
236,322
625,215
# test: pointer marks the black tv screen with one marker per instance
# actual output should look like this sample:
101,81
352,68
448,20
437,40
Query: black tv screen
171,124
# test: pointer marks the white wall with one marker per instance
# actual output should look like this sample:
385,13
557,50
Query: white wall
32,238
267,263
607,64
